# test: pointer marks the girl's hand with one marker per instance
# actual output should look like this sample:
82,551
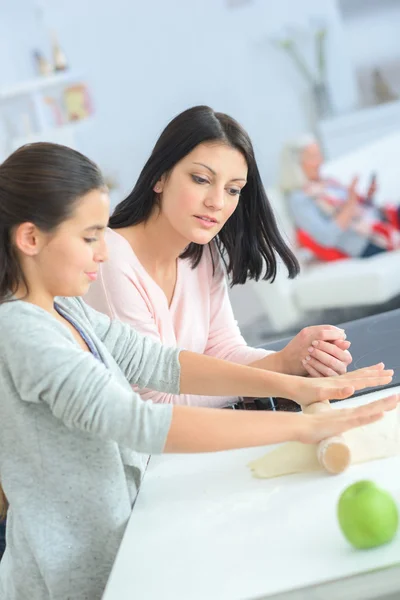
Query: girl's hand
306,391
320,426
318,351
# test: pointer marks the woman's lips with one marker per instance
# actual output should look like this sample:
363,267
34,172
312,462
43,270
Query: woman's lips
207,222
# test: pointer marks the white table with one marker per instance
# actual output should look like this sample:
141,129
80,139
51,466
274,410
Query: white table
204,529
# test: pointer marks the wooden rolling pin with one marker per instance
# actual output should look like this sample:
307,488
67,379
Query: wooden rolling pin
333,454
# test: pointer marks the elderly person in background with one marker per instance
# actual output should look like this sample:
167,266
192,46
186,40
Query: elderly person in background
333,221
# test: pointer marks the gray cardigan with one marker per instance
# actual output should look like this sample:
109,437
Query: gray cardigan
70,426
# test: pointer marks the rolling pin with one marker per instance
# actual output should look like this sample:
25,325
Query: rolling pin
333,454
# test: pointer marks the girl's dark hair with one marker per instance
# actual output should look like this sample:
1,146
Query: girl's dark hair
40,184
250,240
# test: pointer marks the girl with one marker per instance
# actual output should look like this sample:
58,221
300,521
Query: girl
71,424
198,200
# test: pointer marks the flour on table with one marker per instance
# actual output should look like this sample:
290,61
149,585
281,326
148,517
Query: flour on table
371,442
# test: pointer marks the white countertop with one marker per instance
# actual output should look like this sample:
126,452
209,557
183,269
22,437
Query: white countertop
204,529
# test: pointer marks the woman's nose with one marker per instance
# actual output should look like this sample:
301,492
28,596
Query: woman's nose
216,199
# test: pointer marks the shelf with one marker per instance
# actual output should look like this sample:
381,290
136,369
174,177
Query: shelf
63,134
39,83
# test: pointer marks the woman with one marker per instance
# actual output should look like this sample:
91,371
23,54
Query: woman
333,221
72,429
199,204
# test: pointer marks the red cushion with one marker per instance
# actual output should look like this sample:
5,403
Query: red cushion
321,252
392,215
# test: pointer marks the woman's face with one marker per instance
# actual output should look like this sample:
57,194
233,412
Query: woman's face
202,191
311,161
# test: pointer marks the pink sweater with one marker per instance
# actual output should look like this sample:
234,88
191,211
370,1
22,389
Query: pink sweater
199,319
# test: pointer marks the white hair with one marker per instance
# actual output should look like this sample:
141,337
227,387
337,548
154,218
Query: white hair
291,174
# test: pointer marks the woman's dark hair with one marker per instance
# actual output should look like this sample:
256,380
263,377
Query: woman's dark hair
40,184
250,240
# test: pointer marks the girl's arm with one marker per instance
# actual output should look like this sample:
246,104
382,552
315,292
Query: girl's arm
118,294
149,364
202,430
204,374
44,365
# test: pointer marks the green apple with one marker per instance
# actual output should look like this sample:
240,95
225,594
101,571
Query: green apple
367,514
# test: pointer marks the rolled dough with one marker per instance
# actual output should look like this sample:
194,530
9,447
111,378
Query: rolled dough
371,442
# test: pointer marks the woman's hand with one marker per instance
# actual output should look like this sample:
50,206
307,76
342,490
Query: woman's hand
318,351
327,359
306,391
315,428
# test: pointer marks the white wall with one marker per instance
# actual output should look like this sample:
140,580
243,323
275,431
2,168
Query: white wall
372,30
146,61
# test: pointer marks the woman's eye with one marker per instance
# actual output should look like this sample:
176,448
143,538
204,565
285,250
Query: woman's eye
198,179
90,240
234,191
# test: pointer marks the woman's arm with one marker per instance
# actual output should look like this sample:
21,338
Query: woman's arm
319,350
225,340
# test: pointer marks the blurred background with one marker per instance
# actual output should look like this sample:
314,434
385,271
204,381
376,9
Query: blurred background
106,77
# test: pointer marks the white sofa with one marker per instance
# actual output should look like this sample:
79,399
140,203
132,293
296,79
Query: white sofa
340,284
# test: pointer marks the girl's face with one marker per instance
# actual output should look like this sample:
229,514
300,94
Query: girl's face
66,261
311,161
202,191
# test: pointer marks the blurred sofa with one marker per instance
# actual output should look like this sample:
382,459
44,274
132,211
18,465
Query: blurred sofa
345,283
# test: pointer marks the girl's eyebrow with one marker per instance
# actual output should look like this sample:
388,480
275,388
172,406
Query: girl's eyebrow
214,173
